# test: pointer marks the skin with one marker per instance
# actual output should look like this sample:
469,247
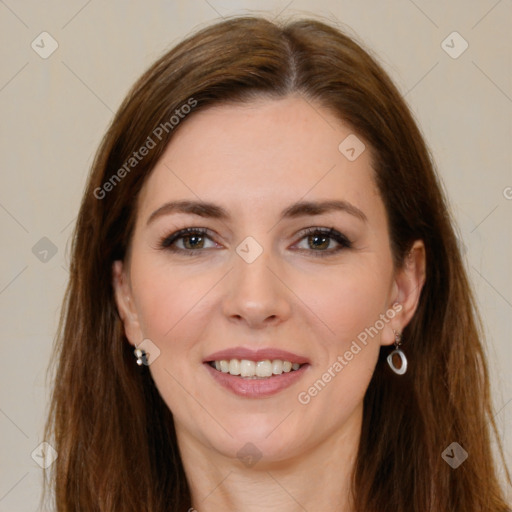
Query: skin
255,160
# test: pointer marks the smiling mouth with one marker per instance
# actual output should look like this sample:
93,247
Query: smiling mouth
247,369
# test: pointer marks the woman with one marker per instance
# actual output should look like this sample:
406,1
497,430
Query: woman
267,307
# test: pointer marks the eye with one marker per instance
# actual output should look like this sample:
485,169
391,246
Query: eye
193,241
321,241
187,241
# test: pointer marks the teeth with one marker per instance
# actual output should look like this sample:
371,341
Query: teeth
277,367
254,369
247,368
264,368
234,367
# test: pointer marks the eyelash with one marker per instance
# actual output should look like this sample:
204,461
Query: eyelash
166,243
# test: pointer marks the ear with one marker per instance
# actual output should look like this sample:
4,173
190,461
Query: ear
125,303
407,286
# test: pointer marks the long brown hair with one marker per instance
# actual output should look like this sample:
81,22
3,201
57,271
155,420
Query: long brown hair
114,434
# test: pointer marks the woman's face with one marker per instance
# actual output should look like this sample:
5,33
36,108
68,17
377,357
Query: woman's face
262,284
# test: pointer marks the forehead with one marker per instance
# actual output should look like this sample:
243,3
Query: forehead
260,155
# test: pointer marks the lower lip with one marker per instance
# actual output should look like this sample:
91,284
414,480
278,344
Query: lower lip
256,388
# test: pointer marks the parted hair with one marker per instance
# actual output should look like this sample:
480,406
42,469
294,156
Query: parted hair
115,437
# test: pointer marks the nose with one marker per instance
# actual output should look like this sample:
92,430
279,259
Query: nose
256,293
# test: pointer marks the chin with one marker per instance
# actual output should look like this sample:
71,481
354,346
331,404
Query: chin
264,441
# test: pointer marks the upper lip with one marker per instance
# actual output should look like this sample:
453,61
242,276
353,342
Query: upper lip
256,355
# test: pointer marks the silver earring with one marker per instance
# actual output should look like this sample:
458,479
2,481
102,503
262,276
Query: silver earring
403,367
140,354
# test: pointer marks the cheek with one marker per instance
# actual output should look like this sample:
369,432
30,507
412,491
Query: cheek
167,298
351,305
339,303
347,301
173,309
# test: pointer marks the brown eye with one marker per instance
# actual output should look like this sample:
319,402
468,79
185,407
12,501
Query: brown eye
323,242
193,241
187,241
318,241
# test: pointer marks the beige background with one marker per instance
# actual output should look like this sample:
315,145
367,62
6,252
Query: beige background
55,110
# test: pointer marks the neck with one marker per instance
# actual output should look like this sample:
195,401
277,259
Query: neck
317,479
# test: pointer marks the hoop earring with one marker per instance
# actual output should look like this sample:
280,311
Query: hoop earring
403,368
141,356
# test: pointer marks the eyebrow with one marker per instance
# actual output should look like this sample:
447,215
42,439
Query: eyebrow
214,211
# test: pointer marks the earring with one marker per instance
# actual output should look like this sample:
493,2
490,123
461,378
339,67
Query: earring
141,356
403,367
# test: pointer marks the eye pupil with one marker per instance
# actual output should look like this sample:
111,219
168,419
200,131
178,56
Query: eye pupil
194,239
322,245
